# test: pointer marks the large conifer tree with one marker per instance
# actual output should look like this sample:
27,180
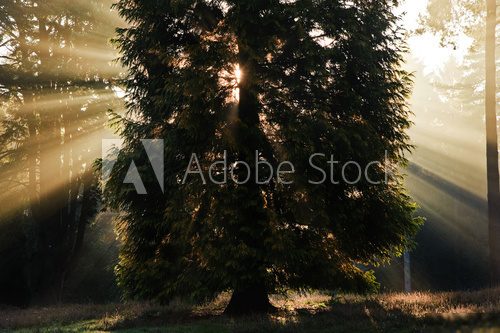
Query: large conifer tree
317,76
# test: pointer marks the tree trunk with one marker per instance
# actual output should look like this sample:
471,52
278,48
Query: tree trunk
249,297
250,300
492,146
51,193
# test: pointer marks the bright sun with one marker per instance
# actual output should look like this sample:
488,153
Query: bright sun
237,73
426,48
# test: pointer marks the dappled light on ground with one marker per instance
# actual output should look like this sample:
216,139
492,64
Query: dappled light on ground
315,312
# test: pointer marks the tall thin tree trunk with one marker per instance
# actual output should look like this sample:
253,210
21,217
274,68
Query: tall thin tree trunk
51,197
492,146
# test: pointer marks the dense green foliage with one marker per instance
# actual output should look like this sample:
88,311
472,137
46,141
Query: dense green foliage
317,77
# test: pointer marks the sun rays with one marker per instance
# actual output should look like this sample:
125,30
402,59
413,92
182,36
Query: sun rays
54,116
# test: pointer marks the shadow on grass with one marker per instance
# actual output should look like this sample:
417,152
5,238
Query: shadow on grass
418,312
334,316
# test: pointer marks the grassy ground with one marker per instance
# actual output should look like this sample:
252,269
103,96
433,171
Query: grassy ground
417,312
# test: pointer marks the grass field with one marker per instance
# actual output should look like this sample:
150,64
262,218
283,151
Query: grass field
417,312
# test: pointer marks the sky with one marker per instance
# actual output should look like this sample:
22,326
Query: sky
426,48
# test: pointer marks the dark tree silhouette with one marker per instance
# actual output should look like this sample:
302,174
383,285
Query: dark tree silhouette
317,77
492,143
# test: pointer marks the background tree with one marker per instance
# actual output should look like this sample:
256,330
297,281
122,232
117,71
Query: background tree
55,88
492,142
320,76
477,88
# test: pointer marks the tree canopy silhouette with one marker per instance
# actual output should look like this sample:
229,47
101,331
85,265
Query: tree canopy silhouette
316,77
